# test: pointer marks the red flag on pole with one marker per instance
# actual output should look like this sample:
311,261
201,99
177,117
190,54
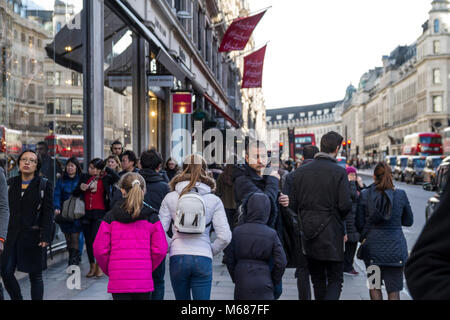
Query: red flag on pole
253,69
239,32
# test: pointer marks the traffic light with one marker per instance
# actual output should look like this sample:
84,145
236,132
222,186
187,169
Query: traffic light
344,145
281,147
349,144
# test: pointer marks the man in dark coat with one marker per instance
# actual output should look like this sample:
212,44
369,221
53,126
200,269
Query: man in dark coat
51,168
321,197
301,272
157,189
4,216
253,244
253,177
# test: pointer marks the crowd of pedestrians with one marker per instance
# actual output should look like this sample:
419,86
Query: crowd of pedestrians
136,210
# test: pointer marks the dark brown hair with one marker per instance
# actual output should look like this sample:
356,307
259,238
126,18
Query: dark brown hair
383,176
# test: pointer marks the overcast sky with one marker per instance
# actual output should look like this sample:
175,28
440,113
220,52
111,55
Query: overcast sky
318,47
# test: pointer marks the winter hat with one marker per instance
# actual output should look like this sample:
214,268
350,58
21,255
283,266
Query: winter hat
350,170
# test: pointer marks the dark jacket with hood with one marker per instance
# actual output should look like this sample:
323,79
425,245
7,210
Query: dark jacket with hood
253,245
321,197
23,210
157,187
386,243
428,266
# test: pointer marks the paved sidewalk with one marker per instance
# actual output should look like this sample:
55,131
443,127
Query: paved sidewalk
95,289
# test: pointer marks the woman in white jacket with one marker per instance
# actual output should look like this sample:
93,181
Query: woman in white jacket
191,254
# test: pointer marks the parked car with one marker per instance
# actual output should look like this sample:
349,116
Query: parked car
413,172
391,161
440,182
431,165
400,167
342,161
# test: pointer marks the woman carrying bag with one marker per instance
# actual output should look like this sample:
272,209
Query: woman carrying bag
93,189
30,227
381,213
63,191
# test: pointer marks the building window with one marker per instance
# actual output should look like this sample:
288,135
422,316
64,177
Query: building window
32,92
436,26
30,41
436,47
23,37
279,117
77,107
326,111
54,106
290,116
39,43
58,27
437,104
310,114
15,35
76,79
24,66
50,79
57,78
319,112
436,76
268,118
302,114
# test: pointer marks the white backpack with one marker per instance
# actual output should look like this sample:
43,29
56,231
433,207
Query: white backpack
190,216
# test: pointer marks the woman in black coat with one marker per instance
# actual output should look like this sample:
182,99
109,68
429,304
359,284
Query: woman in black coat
253,245
29,229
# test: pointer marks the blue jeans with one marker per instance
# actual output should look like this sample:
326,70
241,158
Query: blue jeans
191,273
158,281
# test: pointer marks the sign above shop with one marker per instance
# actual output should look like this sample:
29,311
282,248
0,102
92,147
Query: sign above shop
119,81
182,102
160,81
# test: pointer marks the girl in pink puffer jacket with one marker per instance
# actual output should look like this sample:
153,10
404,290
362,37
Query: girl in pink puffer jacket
130,243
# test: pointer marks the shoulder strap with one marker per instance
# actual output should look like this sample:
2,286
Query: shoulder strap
149,206
42,187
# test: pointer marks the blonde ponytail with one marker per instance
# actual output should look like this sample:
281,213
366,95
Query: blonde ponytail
134,186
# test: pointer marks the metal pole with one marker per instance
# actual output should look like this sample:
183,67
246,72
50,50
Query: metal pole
93,103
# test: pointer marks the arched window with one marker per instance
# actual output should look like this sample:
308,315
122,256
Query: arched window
436,25
58,26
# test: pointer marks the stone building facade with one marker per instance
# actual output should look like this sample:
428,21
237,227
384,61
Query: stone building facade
408,94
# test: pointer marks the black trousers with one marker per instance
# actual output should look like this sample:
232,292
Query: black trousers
303,282
327,278
90,225
131,296
349,254
11,283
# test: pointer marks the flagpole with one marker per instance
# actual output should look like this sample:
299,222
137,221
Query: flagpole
250,14
253,50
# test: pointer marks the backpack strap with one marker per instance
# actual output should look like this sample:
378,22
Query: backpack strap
149,206
42,187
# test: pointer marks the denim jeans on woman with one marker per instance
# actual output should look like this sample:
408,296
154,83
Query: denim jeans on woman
11,283
191,277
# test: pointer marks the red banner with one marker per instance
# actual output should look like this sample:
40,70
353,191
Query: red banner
239,32
253,69
182,102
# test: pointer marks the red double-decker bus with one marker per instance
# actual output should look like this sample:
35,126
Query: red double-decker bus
10,142
302,140
422,144
65,146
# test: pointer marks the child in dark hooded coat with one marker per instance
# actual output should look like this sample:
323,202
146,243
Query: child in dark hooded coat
252,246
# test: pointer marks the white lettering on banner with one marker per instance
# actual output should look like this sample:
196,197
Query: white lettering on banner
245,25
238,36
252,83
254,63
252,73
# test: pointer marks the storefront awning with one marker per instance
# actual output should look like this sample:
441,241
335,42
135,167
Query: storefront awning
66,48
223,113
